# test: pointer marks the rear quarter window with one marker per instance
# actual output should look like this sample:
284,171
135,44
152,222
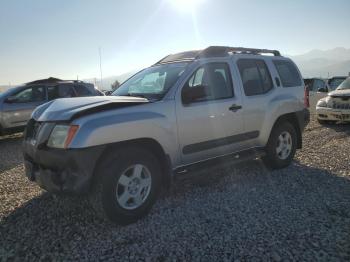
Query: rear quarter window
288,73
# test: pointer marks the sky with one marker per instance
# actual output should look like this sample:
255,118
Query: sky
61,38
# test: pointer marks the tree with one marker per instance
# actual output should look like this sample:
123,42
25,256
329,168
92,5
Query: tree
115,85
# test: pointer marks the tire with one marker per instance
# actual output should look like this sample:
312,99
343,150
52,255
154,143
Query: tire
116,196
274,157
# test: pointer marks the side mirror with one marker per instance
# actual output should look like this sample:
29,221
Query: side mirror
322,90
11,99
191,94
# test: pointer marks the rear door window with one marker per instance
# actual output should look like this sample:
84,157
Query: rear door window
255,76
66,90
288,73
52,92
82,90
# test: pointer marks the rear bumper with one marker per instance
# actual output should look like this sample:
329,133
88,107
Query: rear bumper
325,113
60,170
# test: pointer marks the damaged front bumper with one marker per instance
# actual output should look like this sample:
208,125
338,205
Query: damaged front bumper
326,113
58,170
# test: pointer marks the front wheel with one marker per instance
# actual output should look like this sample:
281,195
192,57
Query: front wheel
128,183
281,146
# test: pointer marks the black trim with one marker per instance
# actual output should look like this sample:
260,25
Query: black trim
229,159
303,117
105,107
201,146
61,170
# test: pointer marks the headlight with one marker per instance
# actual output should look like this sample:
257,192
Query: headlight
62,135
322,103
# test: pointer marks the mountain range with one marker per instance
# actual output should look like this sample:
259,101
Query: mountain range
316,63
324,63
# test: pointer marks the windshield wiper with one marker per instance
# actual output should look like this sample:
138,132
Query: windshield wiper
137,95
147,96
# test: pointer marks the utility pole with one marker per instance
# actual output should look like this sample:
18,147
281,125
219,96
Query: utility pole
99,51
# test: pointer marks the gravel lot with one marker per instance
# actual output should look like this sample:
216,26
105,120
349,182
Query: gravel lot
238,213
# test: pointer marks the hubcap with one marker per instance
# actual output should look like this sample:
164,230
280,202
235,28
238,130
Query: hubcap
134,186
284,145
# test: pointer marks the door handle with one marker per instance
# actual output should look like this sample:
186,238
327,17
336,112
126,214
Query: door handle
235,107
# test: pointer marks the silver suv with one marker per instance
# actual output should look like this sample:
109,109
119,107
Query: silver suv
18,103
187,111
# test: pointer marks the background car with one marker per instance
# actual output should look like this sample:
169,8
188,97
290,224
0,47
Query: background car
17,104
317,88
334,82
336,106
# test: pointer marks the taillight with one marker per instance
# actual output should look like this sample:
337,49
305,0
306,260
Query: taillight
306,97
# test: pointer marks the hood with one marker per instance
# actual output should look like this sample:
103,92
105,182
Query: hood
65,109
339,93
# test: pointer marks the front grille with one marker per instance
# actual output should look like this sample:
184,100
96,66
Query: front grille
341,105
342,117
32,129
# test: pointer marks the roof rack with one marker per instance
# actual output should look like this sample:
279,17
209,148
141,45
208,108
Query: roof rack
179,57
214,51
44,81
51,80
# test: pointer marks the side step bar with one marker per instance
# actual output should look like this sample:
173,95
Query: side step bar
222,161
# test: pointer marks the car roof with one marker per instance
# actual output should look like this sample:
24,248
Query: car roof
52,80
214,51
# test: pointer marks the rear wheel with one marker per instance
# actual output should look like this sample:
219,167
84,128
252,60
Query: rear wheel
128,184
281,146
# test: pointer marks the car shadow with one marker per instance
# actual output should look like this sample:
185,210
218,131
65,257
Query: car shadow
339,127
10,151
299,198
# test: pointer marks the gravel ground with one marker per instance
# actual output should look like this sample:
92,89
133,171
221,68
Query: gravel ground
237,213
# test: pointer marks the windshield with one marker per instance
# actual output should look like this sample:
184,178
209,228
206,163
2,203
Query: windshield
344,85
6,92
152,82
335,82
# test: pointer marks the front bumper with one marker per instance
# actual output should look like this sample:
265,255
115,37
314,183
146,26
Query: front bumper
59,170
326,113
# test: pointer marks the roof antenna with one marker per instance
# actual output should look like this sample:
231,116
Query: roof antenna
99,51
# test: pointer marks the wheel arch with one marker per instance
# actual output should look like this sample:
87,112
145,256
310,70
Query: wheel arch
292,118
149,144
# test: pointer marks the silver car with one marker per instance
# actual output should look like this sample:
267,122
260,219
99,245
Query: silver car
187,111
18,103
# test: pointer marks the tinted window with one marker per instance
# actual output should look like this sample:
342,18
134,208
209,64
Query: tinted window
216,80
335,82
288,73
82,90
317,85
66,90
31,94
255,76
52,92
